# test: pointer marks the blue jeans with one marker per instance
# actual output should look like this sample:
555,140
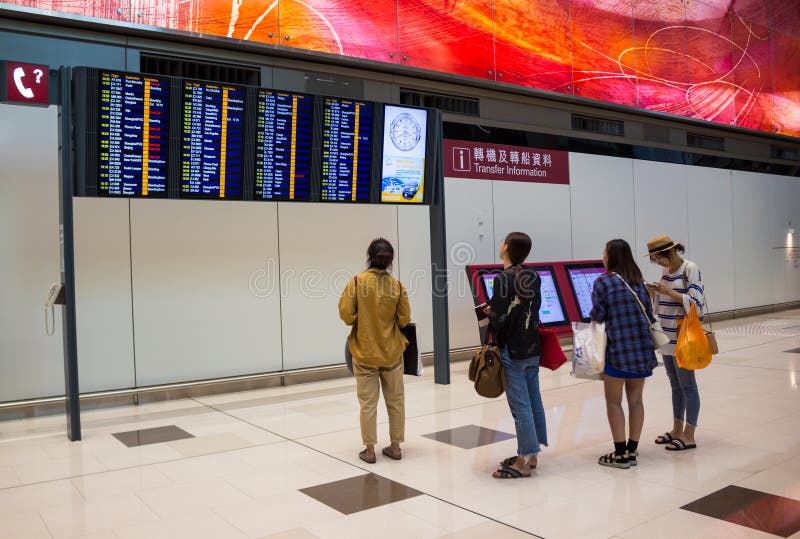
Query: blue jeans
525,401
685,397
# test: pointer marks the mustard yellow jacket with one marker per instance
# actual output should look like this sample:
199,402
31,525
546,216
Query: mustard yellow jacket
376,305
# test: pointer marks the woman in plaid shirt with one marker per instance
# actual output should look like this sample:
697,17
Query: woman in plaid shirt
630,357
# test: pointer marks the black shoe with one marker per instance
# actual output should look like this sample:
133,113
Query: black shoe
614,460
632,457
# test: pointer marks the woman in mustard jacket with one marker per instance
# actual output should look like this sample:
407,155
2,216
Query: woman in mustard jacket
376,305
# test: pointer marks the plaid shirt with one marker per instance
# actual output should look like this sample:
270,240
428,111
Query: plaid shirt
629,347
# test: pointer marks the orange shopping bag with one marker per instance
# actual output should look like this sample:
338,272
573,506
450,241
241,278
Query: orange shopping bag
692,351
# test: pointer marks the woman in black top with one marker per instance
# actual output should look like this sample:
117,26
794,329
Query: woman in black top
514,319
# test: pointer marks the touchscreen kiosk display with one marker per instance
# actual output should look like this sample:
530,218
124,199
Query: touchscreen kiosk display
347,127
283,145
133,135
582,281
212,152
551,311
403,163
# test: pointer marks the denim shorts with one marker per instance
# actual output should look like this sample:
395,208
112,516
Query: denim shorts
616,373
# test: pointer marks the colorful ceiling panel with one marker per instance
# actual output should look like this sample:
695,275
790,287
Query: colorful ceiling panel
734,62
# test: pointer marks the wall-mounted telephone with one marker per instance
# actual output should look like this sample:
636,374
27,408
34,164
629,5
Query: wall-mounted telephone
54,296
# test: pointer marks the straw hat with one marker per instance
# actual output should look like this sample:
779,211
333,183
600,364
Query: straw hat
660,244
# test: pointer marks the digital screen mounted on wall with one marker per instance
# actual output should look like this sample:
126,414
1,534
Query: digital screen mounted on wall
581,279
283,145
212,145
133,134
347,133
403,159
551,312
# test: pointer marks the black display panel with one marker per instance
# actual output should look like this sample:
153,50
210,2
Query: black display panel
347,148
213,141
283,145
581,280
551,311
133,134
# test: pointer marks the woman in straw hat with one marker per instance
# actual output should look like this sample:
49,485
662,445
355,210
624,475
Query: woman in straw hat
680,286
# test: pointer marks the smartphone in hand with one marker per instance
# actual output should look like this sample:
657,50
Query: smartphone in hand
479,311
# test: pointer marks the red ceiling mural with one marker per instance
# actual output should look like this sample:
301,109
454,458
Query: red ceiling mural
734,62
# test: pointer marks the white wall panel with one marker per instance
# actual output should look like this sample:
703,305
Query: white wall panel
660,194
414,267
602,203
470,240
206,300
322,246
790,263
103,294
754,212
540,210
31,363
710,241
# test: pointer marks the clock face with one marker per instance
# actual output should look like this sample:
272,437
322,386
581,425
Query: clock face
405,132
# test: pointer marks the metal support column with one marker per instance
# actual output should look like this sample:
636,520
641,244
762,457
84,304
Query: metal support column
66,174
439,276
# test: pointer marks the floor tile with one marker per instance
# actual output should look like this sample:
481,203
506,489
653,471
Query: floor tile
279,513
190,497
296,533
360,493
372,523
781,480
157,435
751,508
469,436
441,514
96,516
487,529
206,445
199,525
203,467
37,497
8,477
23,526
793,351
686,525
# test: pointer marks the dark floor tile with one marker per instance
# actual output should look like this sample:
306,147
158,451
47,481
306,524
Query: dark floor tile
758,510
360,493
794,351
469,436
158,435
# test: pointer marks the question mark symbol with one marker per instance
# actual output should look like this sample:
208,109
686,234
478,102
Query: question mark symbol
39,74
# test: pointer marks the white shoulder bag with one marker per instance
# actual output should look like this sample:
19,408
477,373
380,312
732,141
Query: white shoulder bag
657,334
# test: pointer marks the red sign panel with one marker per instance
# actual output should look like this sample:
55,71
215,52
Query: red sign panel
483,161
27,83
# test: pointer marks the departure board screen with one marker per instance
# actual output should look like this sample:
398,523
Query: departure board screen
133,135
283,145
212,163
347,150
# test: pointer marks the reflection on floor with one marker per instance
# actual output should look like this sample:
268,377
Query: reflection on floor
284,462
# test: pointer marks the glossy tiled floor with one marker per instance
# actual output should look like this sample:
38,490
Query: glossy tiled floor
268,463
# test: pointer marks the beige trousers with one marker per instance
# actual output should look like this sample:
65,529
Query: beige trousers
369,381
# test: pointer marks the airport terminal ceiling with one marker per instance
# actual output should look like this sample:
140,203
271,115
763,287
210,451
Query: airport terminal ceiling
731,62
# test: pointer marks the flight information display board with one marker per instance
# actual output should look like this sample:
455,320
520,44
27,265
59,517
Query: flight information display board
347,139
212,152
133,134
283,145
582,278
551,310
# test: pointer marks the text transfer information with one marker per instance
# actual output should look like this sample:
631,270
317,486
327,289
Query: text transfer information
213,140
346,150
283,146
133,135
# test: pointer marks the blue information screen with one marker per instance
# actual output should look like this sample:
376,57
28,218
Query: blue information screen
133,135
212,152
347,150
283,145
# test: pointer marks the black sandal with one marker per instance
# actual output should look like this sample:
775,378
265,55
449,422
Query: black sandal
509,472
511,460
664,439
363,456
387,452
679,445
613,460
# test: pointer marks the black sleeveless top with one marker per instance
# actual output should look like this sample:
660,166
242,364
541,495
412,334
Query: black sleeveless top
514,318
